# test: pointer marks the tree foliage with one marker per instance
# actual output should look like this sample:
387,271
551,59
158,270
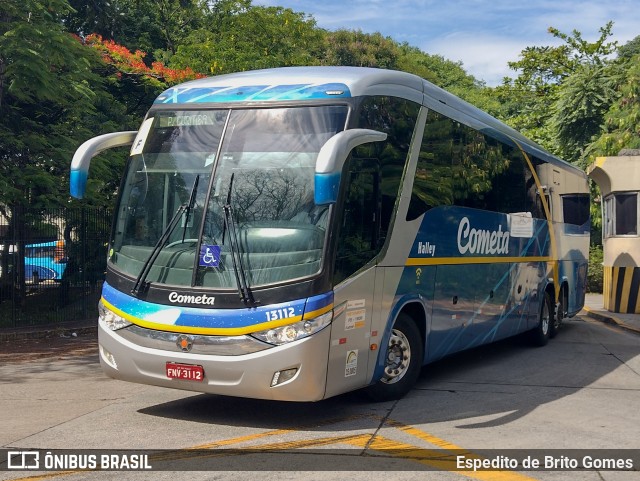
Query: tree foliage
621,126
582,101
45,97
359,49
72,69
237,36
153,26
562,93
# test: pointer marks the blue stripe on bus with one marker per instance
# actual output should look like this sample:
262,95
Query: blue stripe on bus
180,316
253,93
318,304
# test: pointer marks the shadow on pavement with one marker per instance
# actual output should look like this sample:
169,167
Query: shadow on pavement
459,387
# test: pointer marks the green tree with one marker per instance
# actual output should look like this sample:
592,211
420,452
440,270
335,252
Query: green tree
153,26
627,51
621,126
355,48
45,95
358,49
238,36
45,98
583,99
543,71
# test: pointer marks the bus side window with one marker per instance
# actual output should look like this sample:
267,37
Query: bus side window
375,177
575,208
360,227
460,166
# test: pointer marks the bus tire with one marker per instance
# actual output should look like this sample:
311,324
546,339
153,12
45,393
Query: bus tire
540,334
403,361
554,325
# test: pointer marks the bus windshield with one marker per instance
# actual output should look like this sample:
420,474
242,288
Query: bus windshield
213,196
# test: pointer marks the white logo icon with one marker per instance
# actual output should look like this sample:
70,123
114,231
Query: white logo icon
23,460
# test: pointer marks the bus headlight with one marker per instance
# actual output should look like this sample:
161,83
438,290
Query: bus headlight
110,319
293,332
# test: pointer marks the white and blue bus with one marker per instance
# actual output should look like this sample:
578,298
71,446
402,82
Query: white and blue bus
298,233
43,261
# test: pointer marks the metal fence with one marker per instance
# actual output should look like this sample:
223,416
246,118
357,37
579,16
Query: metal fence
52,264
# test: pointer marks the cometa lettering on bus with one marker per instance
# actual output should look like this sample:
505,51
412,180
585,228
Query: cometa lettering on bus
203,299
477,241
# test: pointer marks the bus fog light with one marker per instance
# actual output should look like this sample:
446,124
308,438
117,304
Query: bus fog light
281,377
295,331
108,358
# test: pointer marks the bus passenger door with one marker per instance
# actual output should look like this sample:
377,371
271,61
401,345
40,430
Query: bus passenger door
355,278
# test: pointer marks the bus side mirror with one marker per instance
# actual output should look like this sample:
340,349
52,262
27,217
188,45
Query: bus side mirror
84,154
332,157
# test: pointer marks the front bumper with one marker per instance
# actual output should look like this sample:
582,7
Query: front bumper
245,375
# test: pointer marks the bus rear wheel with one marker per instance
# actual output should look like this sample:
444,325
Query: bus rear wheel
540,334
403,360
558,316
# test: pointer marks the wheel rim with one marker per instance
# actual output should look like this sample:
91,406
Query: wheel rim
545,318
398,357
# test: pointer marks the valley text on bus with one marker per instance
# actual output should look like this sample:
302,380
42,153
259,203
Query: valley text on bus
298,233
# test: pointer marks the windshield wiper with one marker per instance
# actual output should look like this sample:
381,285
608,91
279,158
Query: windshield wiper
236,255
192,201
164,238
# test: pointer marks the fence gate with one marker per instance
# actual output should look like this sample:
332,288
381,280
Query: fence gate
52,263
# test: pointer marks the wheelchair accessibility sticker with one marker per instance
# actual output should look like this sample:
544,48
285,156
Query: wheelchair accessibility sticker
209,256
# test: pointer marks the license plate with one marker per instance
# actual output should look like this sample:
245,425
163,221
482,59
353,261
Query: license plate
187,372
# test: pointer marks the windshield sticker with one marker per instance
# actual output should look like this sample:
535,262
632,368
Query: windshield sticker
209,256
521,225
351,365
141,138
355,319
356,304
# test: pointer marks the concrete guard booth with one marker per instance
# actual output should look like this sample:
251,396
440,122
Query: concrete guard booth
619,182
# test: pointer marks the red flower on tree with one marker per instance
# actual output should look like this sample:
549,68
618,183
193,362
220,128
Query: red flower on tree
127,62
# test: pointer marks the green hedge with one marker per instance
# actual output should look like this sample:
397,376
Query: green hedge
595,273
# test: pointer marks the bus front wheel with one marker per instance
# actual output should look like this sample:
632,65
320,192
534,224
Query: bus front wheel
403,360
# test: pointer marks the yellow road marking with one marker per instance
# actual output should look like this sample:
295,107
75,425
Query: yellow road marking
48,475
436,459
277,432
441,443
355,439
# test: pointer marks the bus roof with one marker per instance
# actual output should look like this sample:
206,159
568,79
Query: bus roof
316,83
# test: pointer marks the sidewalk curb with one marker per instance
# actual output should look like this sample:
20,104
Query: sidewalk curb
48,332
609,319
